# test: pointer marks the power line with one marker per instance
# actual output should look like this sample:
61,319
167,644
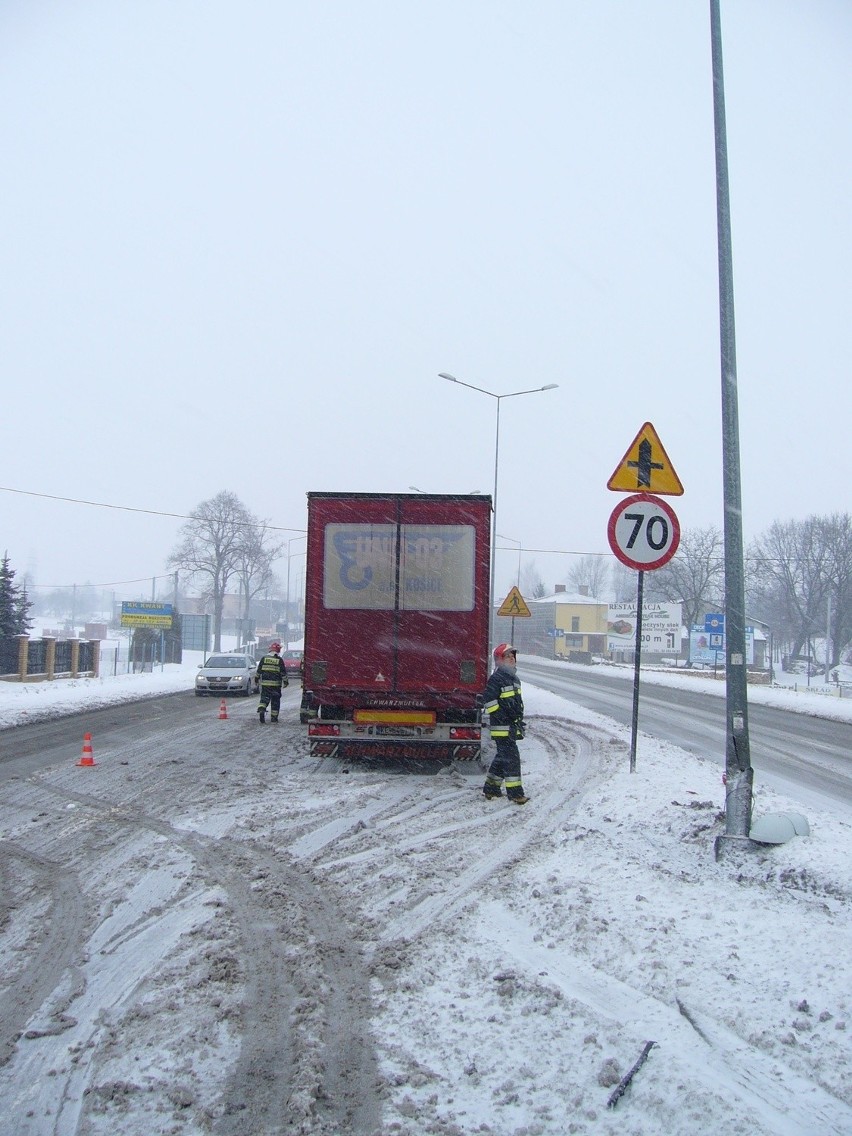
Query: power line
110,584
571,552
281,528
132,509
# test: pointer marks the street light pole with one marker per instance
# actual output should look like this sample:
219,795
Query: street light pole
518,581
287,616
498,399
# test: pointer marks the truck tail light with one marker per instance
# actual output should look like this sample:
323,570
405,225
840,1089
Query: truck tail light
465,733
321,730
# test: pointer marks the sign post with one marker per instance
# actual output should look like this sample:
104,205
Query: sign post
644,534
643,531
515,605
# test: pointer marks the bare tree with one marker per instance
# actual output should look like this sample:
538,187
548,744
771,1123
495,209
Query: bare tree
211,548
799,573
590,572
257,555
838,536
694,577
532,585
624,582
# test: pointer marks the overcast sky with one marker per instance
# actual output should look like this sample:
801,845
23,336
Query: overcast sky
240,240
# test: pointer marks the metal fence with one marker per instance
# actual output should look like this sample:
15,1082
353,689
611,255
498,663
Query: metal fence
41,654
37,657
119,661
62,662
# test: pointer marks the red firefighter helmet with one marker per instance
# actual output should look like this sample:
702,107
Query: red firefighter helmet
504,649
276,646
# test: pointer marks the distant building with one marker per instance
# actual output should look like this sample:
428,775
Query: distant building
566,625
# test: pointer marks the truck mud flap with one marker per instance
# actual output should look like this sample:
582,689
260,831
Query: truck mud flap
324,747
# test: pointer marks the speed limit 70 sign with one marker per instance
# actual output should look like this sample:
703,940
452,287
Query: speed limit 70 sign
643,532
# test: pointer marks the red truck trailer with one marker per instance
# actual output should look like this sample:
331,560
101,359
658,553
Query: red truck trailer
396,624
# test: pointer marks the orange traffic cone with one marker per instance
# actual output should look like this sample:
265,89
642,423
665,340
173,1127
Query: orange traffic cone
223,710
88,757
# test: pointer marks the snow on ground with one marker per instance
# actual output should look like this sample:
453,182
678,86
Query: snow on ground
611,929
27,702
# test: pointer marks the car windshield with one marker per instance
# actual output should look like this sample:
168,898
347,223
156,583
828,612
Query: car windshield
291,654
226,662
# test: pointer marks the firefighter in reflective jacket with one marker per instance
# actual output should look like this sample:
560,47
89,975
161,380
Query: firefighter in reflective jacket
271,675
505,708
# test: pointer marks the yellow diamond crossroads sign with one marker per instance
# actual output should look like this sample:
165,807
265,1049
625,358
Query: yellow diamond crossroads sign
646,467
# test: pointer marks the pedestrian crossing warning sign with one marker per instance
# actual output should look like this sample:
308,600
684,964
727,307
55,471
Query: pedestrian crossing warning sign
514,605
646,467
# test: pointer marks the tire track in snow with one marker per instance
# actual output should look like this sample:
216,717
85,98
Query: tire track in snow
51,951
533,823
412,845
296,1067
715,1056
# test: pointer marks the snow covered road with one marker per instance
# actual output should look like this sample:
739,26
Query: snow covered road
212,932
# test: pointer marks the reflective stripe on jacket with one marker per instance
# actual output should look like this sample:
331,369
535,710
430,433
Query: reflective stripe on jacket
503,702
272,672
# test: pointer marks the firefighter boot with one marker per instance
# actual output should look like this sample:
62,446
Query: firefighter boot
261,714
492,789
515,792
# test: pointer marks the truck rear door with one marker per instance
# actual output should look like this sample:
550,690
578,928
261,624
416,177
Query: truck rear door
440,626
403,602
352,615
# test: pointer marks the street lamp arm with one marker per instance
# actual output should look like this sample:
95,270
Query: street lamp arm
491,394
498,398
535,390
470,386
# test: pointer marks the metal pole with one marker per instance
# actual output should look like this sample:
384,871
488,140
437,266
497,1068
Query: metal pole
827,637
637,660
739,773
497,397
518,586
502,536
287,610
491,597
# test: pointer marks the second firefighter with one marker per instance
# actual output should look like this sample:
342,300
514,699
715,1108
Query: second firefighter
271,676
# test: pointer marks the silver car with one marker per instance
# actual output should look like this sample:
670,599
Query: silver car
226,674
